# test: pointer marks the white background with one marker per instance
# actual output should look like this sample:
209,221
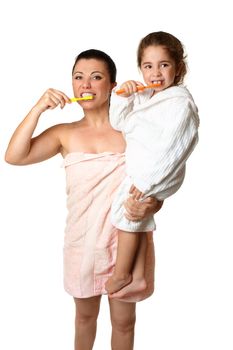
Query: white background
192,307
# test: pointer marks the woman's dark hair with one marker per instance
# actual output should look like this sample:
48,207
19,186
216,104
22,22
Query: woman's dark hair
173,46
101,56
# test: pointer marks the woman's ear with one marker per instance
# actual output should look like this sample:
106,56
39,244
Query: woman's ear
114,84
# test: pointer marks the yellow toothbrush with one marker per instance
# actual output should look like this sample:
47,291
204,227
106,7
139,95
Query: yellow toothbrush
74,99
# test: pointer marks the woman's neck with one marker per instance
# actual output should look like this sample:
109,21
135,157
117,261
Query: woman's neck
96,118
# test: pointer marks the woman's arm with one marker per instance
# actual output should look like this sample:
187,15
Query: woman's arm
23,148
139,210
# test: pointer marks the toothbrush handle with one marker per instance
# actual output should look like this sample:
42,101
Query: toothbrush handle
139,88
75,99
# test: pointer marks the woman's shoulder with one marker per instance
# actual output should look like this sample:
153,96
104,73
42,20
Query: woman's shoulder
65,127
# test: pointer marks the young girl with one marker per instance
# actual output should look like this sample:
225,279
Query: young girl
160,126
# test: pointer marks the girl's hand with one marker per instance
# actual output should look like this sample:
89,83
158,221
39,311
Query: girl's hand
50,100
130,87
139,210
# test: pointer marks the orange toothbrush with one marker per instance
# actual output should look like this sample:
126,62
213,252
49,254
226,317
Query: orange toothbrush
139,88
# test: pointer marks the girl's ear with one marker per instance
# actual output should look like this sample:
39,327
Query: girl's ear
178,69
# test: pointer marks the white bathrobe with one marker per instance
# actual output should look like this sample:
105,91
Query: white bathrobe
160,132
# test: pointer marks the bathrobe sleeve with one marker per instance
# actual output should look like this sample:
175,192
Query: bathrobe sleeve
169,153
120,108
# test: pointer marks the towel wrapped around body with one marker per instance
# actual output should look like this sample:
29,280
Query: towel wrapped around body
90,242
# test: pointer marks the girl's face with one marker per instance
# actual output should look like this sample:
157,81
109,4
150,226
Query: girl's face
91,77
158,67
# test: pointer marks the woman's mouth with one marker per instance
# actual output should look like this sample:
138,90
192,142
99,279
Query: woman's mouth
88,94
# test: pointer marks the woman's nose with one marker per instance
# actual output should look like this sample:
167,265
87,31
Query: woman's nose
86,83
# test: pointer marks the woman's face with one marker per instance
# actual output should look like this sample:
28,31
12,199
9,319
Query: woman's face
91,78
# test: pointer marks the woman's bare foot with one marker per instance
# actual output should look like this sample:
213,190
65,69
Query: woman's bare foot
137,285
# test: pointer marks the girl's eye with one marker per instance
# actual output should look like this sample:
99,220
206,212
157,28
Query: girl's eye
148,66
163,65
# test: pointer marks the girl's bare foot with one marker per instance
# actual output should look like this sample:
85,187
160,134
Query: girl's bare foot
114,284
137,285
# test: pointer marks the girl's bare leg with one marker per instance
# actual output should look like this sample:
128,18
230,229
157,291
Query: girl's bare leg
128,243
87,311
123,317
138,283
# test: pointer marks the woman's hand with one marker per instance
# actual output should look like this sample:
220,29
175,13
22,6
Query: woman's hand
50,100
23,148
136,193
139,210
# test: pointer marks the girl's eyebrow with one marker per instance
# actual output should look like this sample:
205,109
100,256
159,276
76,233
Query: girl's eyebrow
159,61
165,61
146,62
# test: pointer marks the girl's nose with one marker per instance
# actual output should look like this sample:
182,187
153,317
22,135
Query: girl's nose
157,72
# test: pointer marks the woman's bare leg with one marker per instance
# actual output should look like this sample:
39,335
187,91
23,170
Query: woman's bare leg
128,243
87,311
123,318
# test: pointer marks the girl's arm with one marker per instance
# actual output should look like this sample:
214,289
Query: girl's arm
23,148
177,141
121,105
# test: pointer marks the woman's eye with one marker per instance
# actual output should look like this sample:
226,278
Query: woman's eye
96,77
78,77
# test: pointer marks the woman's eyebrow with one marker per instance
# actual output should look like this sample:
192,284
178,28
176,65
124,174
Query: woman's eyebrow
94,72
97,71
77,72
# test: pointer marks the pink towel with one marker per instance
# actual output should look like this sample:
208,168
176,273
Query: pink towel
90,242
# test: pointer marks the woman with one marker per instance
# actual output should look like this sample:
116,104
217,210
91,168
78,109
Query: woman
93,155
